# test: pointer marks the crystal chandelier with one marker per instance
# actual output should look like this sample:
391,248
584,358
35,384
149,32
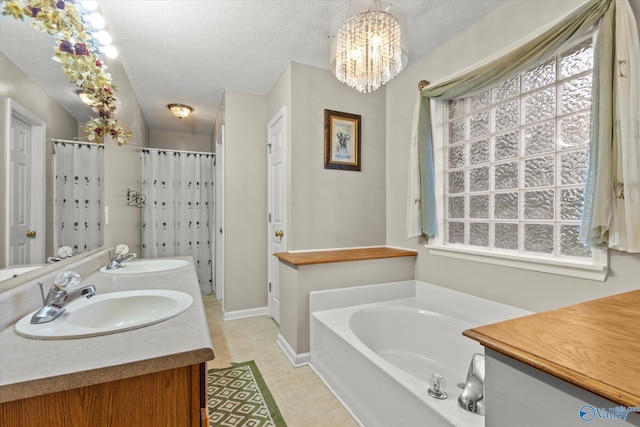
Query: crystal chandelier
368,49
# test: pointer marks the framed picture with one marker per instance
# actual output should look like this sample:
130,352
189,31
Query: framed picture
341,141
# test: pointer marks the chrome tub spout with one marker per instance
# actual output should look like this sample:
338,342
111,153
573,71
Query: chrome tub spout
472,397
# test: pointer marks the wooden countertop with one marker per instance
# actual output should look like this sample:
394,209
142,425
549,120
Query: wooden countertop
342,255
593,345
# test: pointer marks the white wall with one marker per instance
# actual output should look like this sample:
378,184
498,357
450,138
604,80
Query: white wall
18,86
180,141
530,290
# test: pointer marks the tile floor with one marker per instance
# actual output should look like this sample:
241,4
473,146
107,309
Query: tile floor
302,397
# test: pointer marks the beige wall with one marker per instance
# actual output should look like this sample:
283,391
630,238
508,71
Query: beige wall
333,208
280,96
329,208
180,141
245,228
530,290
325,208
122,165
18,86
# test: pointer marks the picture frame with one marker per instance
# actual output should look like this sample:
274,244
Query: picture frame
342,141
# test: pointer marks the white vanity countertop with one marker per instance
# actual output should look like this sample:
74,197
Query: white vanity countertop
32,367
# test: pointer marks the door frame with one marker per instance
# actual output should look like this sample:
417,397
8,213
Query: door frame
38,177
219,209
280,115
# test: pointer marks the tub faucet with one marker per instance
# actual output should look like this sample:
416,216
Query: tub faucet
118,259
472,397
61,293
438,386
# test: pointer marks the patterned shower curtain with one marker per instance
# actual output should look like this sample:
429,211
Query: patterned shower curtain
78,193
178,217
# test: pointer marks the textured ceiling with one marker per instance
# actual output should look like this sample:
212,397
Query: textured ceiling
191,51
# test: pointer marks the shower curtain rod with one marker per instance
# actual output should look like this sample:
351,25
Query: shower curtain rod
68,141
177,151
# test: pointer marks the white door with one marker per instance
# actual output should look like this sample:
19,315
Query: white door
218,283
277,174
20,232
24,204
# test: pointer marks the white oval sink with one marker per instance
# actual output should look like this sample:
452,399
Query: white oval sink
147,266
108,313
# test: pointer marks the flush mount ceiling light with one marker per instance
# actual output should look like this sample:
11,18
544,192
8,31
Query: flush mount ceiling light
368,49
180,110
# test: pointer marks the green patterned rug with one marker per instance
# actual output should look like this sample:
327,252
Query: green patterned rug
238,396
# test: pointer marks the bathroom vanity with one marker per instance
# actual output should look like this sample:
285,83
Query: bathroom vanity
154,375
575,365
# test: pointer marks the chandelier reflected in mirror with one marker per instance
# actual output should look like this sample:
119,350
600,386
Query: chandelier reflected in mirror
368,48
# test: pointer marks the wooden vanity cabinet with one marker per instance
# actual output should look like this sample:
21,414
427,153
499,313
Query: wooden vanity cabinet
175,397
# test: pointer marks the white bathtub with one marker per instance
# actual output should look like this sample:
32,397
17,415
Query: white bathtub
377,346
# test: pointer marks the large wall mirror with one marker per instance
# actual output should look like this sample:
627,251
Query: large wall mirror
51,191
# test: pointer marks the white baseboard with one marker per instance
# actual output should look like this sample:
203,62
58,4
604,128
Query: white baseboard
296,360
242,314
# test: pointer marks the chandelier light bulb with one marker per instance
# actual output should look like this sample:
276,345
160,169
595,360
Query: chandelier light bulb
97,21
103,37
89,5
110,51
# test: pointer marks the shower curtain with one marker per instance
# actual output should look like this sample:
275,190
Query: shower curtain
178,215
78,192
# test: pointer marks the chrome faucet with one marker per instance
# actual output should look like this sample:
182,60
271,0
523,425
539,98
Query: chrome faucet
118,259
472,397
61,293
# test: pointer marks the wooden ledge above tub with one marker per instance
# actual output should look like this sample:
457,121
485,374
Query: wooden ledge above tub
593,345
342,255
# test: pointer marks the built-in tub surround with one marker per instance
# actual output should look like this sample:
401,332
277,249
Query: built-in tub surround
585,355
303,272
31,367
377,346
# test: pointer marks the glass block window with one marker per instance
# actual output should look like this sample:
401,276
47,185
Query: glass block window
516,160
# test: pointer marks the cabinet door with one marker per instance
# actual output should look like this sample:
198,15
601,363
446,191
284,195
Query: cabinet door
172,397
